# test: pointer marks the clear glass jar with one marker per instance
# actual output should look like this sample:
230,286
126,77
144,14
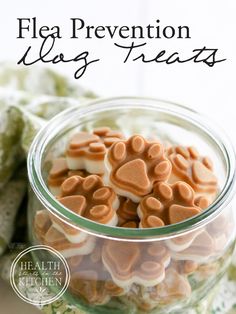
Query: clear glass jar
107,269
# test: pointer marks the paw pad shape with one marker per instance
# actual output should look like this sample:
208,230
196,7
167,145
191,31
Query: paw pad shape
87,150
134,165
88,197
189,166
47,234
139,263
168,204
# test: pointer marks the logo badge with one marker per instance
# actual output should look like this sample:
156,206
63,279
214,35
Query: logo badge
39,275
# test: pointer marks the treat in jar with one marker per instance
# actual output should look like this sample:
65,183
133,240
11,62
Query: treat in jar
130,263
189,166
59,172
86,151
89,198
50,236
90,280
168,204
132,166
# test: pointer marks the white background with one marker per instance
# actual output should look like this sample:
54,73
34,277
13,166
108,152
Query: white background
212,23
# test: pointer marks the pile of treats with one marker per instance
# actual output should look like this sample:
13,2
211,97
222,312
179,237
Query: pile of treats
130,183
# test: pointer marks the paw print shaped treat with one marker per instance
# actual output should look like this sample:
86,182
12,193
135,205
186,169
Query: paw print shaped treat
90,280
89,198
59,172
182,242
175,286
87,151
133,166
189,166
48,235
200,250
222,230
168,204
127,212
108,136
139,263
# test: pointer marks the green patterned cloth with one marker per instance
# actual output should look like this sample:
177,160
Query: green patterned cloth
28,98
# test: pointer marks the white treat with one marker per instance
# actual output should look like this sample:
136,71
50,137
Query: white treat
82,163
85,249
80,236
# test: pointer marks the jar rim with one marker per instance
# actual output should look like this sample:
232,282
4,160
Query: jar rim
48,200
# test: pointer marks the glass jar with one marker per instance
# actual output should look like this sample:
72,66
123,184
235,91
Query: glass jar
112,268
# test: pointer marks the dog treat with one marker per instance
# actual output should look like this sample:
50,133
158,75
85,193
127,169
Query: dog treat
87,151
42,223
59,173
130,224
90,280
222,231
189,166
71,233
182,242
108,136
133,166
58,241
86,285
50,236
174,286
168,204
132,262
88,277
133,183
201,248
88,197
184,267
127,211
188,267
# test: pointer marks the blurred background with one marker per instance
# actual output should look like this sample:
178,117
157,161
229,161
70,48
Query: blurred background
212,24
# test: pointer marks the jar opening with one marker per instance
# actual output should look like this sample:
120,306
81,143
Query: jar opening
45,138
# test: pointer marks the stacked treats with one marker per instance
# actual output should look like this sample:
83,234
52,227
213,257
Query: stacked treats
144,184
131,183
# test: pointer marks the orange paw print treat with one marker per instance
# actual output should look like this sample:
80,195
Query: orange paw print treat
87,151
133,166
59,172
133,183
48,235
89,198
108,136
138,263
189,166
168,204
